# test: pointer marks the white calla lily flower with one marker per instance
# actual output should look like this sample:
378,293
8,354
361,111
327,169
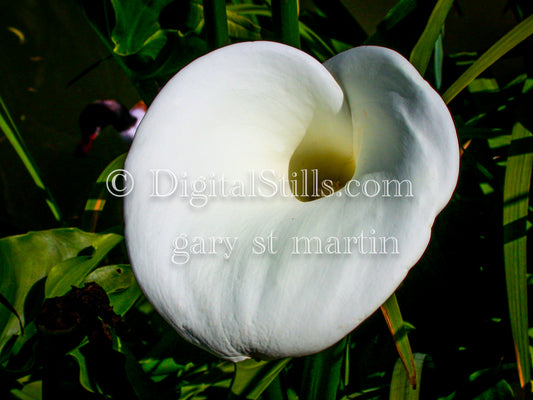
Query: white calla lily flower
254,270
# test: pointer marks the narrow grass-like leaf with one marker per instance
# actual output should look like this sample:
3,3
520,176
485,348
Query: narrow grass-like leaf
97,198
497,50
516,199
401,387
285,19
85,380
250,9
253,377
423,49
216,23
393,317
438,61
9,128
318,46
323,373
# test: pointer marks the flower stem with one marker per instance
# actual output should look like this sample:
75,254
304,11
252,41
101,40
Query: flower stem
216,23
285,18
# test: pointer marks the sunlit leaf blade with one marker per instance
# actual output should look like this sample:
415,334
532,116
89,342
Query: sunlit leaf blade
240,26
30,391
393,317
253,377
323,373
25,260
249,9
502,46
421,53
515,212
85,380
9,128
401,385
99,193
73,271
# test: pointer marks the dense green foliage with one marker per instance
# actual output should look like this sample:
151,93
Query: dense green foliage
63,336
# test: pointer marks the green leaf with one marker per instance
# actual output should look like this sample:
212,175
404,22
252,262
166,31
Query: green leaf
97,198
26,259
323,373
320,49
30,391
438,61
72,272
249,9
401,384
253,377
494,53
398,329
397,14
501,391
120,285
423,49
137,25
7,125
85,380
5,302
216,23
515,212
241,27
285,20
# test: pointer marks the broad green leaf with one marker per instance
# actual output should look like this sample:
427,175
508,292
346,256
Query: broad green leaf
494,53
72,272
97,198
253,377
137,24
401,385
423,49
30,391
7,125
120,285
26,259
323,373
397,327
515,212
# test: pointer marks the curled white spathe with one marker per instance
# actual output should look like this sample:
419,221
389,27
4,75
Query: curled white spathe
366,114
